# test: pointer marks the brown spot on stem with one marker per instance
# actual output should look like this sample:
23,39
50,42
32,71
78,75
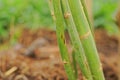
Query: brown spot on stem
62,37
101,67
84,78
50,0
66,15
86,64
53,15
85,35
65,62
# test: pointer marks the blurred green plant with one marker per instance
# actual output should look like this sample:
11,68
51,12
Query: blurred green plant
32,13
35,13
104,12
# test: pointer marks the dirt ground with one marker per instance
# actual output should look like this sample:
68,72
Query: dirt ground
36,57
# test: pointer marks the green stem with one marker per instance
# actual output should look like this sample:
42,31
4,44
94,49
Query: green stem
61,39
86,14
77,46
75,64
87,40
51,9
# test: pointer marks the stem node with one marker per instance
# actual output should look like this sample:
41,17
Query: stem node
85,35
67,15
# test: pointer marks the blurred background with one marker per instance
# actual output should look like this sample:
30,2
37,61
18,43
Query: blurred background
19,14
34,14
23,22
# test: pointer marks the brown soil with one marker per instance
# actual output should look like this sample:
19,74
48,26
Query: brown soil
44,62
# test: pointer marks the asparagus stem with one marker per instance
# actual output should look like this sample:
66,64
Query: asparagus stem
87,40
51,9
61,39
86,14
77,46
74,64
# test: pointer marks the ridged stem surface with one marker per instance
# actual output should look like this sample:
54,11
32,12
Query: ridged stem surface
59,20
87,40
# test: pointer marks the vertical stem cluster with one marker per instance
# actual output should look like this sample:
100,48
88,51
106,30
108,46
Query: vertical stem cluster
73,14
61,39
86,38
74,36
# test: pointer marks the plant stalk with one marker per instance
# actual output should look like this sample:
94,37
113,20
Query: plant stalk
87,40
77,46
74,61
86,14
61,39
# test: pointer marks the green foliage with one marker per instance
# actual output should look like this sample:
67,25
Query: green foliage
25,11
104,12
32,13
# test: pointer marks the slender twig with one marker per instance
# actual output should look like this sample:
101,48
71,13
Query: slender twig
9,72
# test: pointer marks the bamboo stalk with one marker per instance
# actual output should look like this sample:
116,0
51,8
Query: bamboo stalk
86,37
77,46
61,39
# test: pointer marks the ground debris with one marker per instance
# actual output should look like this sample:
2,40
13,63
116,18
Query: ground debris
47,64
